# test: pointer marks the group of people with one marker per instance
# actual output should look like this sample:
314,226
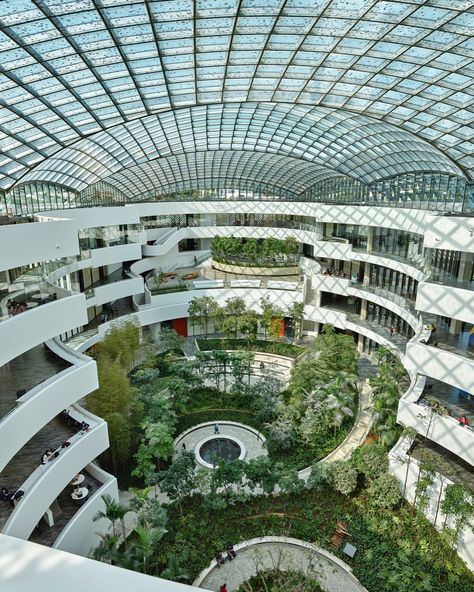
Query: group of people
334,272
10,496
14,307
230,554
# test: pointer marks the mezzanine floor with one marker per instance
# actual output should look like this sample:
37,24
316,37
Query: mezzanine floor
66,508
25,372
451,466
20,467
457,402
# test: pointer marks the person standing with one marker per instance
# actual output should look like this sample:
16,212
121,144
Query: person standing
216,428
223,588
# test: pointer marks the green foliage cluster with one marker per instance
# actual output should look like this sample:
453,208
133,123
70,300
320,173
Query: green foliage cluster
288,350
318,409
116,400
280,581
254,252
234,318
388,385
396,550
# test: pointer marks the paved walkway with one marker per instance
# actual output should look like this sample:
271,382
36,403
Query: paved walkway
281,553
253,441
363,421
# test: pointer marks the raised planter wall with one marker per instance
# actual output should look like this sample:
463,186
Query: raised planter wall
240,269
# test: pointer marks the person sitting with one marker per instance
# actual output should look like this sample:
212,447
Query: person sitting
47,455
231,554
463,421
6,495
219,558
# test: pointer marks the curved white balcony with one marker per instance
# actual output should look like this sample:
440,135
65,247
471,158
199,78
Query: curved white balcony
23,331
115,290
440,299
81,534
44,402
446,366
47,481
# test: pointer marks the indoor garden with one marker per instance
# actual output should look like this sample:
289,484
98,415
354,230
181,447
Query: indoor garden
150,393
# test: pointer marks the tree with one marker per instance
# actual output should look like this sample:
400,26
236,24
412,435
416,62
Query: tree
107,550
115,512
174,571
168,339
296,313
370,460
178,481
458,502
290,245
345,477
251,249
201,311
143,541
227,319
247,324
384,491
156,445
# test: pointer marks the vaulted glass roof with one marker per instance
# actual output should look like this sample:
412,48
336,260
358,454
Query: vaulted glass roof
220,169
349,143
74,69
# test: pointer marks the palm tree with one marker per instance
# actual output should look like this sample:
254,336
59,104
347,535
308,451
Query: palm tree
340,410
142,545
115,512
107,550
174,571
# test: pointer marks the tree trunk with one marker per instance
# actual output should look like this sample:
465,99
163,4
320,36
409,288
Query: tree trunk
438,502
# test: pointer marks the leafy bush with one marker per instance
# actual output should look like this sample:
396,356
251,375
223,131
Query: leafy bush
344,477
370,460
384,491
280,581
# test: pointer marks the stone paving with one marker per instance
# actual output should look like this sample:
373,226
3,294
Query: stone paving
295,555
254,444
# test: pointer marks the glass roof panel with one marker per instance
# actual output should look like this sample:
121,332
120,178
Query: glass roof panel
73,69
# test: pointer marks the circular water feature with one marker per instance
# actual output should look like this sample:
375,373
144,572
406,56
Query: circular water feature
215,448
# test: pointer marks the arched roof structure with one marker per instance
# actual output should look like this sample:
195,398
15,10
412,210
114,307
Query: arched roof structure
80,76
224,169
349,143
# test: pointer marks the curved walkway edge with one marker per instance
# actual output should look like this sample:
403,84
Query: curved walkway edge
283,553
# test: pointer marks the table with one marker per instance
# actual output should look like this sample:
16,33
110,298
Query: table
81,494
41,296
78,479
31,304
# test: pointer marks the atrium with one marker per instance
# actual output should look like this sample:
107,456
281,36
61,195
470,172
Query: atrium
236,312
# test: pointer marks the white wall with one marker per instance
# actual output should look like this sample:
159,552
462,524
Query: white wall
443,430
116,254
446,301
26,566
445,232
455,370
406,219
116,290
81,533
22,244
21,332
399,466
94,217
